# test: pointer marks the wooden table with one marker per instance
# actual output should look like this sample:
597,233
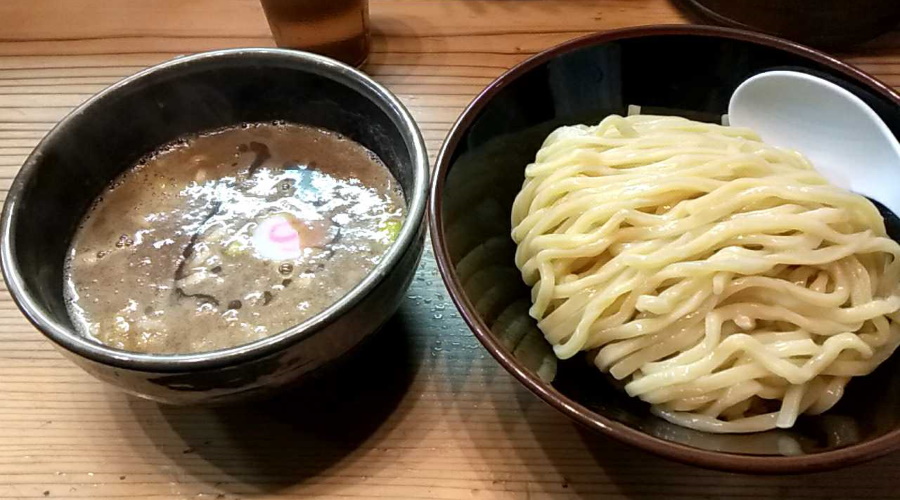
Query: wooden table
428,414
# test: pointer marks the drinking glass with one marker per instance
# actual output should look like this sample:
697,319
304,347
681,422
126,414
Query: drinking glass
334,28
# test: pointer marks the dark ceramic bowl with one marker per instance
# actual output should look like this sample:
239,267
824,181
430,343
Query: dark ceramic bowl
822,23
114,129
684,70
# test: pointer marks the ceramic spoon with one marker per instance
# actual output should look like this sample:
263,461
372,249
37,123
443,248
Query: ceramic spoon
840,134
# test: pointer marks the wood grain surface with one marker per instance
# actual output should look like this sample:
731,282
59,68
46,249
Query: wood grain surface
424,412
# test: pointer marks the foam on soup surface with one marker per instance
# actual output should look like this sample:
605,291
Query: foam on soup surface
228,237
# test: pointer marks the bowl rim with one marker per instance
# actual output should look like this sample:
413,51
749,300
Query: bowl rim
325,67
719,460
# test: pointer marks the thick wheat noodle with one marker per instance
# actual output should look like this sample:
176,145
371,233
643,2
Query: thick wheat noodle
723,280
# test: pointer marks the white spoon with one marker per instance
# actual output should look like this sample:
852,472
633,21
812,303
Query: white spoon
840,134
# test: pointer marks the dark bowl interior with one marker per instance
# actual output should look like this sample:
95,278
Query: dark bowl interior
688,71
113,130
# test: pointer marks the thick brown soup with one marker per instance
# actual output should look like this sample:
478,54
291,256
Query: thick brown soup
228,237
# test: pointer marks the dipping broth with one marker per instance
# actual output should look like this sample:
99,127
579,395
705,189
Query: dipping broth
228,237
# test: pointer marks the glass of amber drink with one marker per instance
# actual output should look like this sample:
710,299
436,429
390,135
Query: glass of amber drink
334,28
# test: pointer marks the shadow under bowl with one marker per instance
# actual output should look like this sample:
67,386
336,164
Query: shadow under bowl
110,132
689,71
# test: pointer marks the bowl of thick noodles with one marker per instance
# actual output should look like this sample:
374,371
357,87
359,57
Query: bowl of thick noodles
666,279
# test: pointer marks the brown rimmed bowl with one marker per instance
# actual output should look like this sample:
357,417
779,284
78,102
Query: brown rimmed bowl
685,70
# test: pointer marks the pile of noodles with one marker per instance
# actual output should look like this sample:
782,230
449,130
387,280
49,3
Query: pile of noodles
724,281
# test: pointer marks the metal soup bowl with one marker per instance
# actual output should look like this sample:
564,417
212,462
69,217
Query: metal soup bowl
110,132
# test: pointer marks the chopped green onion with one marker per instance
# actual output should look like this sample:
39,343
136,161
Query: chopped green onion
391,229
236,248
